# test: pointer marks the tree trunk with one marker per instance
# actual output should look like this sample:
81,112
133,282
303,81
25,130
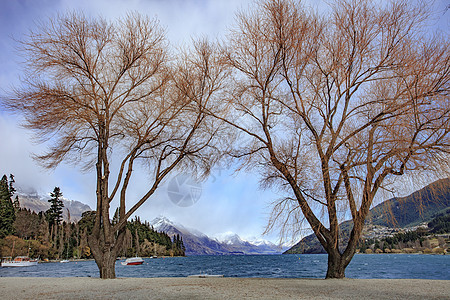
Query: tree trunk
337,262
105,258
336,265
107,265
105,254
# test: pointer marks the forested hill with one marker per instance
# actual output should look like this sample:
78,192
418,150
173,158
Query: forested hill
419,207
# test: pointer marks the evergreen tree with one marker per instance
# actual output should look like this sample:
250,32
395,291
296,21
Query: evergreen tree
7,213
183,248
16,203
54,213
12,191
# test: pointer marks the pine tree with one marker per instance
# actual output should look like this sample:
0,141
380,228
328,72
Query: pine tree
54,213
12,191
16,203
7,212
182,246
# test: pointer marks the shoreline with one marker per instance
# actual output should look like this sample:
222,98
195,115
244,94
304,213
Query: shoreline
123,258
220,288
43,261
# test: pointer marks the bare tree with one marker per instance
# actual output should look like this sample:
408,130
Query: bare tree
102,92
333,108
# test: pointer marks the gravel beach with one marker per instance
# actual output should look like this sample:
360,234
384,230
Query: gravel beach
220,288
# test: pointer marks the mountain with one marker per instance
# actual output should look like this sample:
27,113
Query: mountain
267,246
414,209
406,212
237,245
198,243
30,199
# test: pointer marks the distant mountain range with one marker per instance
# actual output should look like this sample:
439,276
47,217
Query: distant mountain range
37,203
198,243
419,207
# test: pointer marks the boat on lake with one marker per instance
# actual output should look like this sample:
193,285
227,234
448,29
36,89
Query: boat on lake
20,261
205,275
133,261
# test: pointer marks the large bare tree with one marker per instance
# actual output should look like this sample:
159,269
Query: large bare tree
102,92
332,108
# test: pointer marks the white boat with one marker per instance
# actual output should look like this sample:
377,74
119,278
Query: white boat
63,261
132,261
20,261
205,276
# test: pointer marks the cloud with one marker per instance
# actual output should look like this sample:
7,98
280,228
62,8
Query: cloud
16,158
227,203
183,19
15,153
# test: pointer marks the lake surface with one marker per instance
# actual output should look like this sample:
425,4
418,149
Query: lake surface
268,266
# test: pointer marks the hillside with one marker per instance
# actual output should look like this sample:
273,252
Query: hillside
419,207
414,209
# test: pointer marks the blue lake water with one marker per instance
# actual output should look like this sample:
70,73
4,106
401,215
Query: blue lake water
389,266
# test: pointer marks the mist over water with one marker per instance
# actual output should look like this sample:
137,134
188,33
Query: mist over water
386,266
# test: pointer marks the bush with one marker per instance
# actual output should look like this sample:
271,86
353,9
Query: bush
438,250
409,250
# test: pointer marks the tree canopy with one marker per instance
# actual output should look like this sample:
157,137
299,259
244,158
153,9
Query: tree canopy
332,108
104,93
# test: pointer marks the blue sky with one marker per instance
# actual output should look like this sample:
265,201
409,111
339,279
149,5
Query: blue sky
228,202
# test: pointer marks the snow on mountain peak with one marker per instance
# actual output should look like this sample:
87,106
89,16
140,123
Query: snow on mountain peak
198,243
260,242
161,222
229,238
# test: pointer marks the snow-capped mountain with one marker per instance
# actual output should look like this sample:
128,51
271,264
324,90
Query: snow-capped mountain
230,238
249,246
163,224
198,243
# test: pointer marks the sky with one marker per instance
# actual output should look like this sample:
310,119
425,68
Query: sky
225,202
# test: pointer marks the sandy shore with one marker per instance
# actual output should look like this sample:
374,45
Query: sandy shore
220,288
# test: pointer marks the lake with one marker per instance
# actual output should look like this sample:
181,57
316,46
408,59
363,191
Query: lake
386,266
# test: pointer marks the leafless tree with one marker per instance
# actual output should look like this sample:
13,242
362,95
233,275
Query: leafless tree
100,92
333,108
